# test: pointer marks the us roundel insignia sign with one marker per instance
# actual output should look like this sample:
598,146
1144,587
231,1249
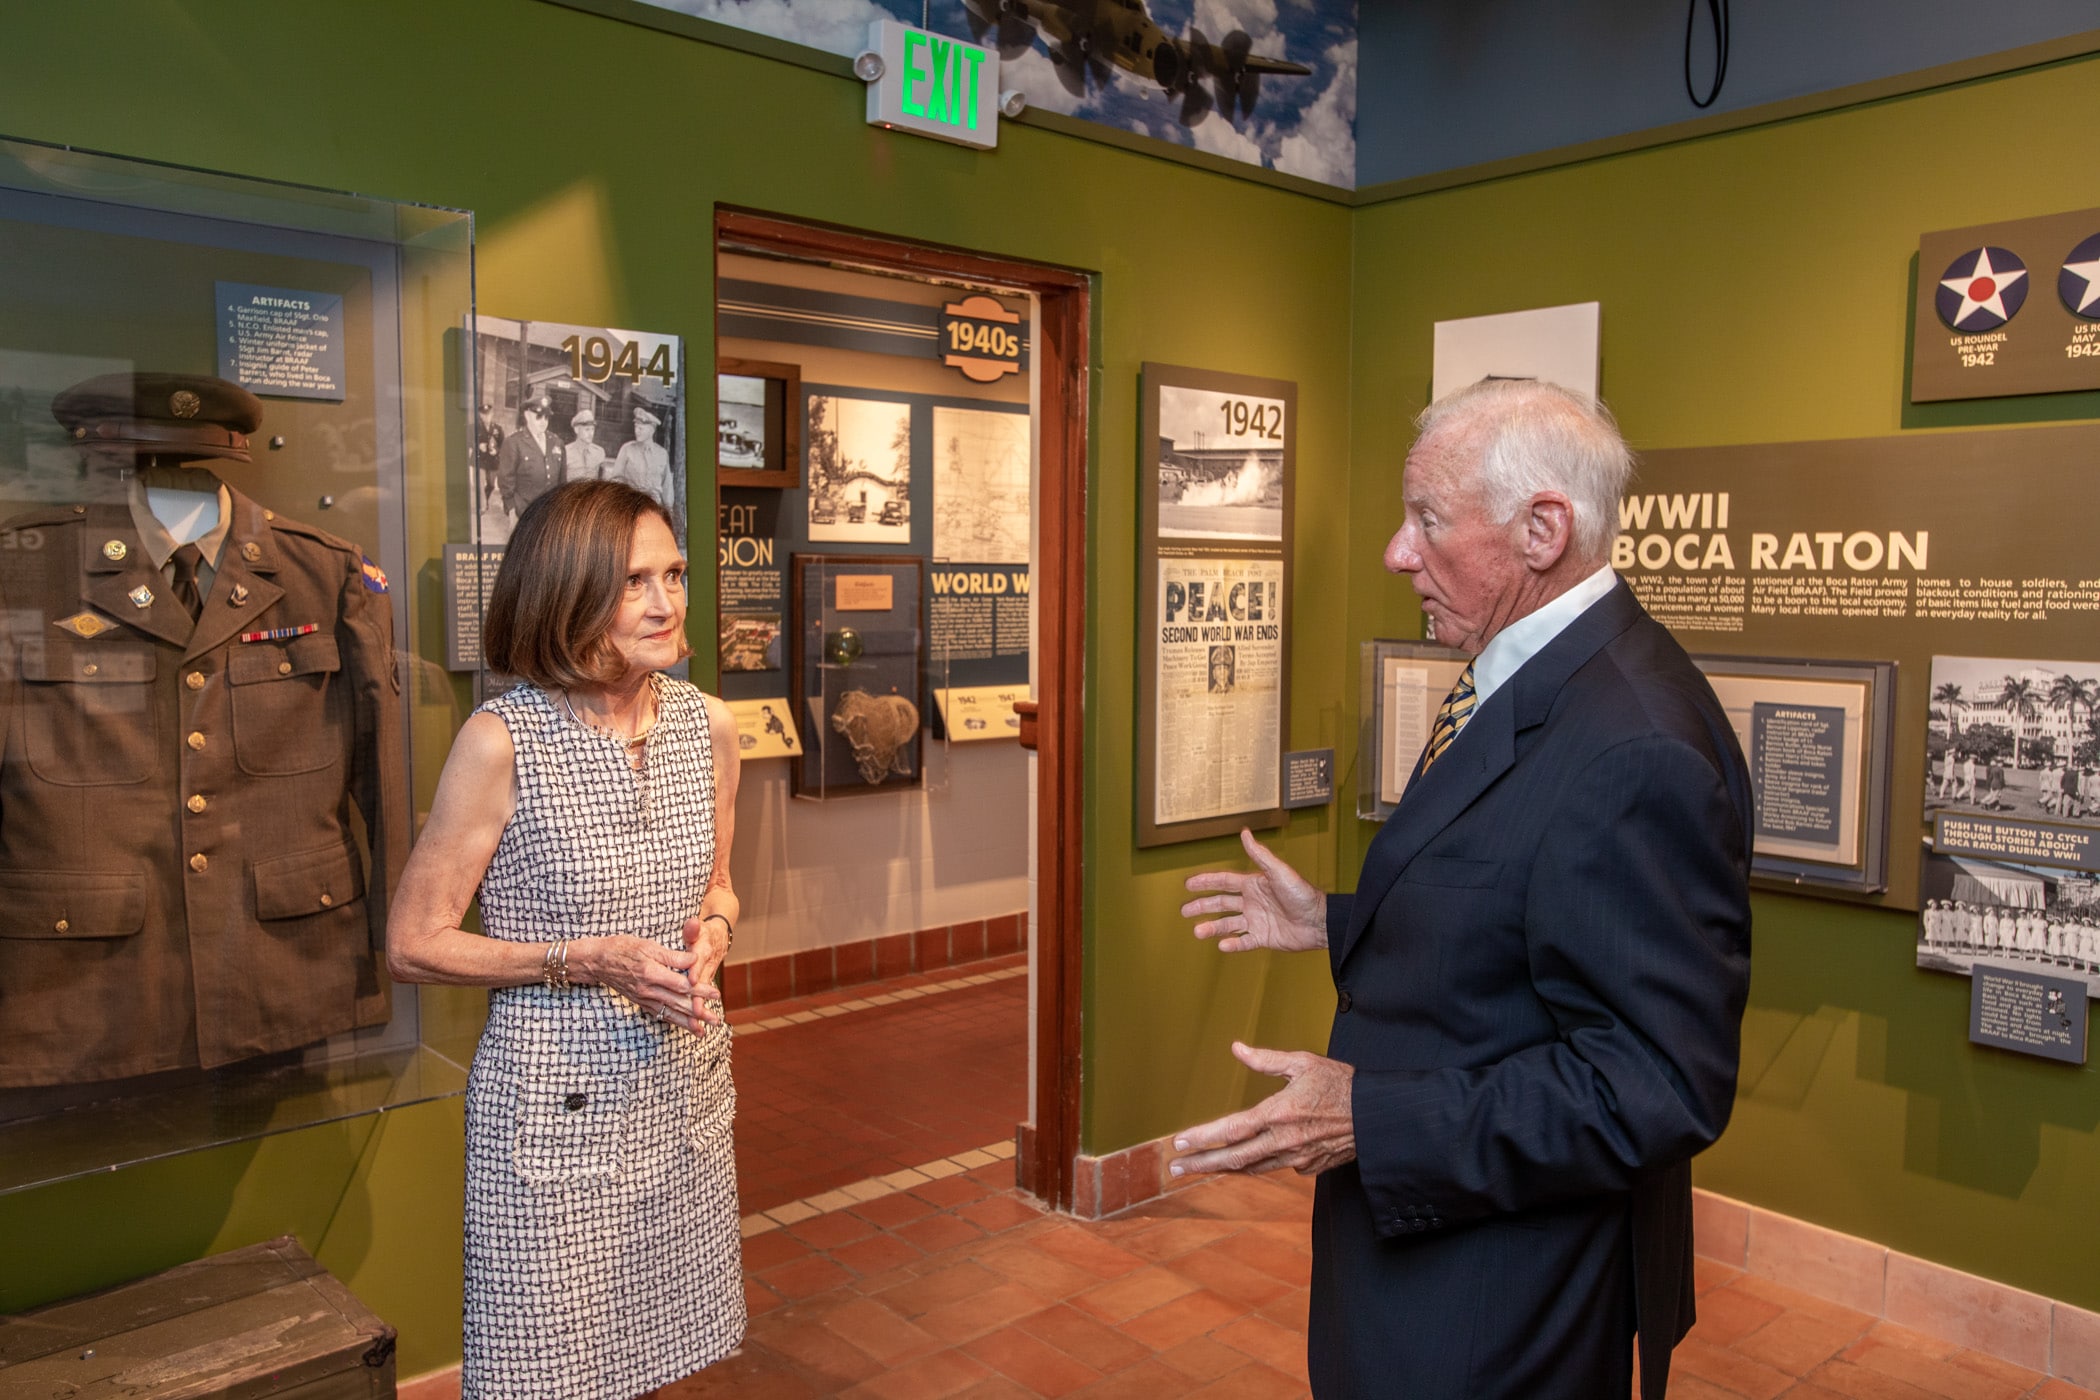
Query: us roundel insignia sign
2078,281
979,337
1982,289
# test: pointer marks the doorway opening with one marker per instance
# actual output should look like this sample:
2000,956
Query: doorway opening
901,468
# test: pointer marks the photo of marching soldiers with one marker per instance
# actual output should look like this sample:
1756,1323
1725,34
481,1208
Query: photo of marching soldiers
573,403
2030,918
2014,738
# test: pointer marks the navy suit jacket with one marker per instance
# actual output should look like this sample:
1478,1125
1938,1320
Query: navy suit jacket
1540,983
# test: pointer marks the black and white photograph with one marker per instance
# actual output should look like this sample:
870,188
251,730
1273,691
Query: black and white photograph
2028,918
1222,665
859,470
1220,464
980,486
740,422
574,403
2013,737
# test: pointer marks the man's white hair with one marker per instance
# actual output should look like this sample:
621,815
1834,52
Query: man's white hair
1529,436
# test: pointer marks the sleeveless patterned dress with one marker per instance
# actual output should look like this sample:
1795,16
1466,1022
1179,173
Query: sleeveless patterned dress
603,1254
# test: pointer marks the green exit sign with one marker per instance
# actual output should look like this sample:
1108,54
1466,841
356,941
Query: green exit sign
934,85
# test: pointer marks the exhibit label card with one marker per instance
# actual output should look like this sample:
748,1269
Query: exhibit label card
2009,308
1995,839
765,728
1797,767
971,714
2029,1012
281,341
1308,778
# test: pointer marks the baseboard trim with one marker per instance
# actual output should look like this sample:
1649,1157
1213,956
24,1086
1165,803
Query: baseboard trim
442,1384
780,976
2009,1323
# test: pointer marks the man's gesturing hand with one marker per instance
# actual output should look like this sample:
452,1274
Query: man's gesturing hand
1271,908
1307,1125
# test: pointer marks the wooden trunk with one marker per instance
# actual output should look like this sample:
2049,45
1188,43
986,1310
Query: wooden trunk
262,1321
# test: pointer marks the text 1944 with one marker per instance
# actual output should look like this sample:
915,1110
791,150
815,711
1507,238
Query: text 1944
592,359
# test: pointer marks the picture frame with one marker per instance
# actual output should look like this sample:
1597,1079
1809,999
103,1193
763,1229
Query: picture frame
1404,684
1217,453
758,423
1819,736
858,673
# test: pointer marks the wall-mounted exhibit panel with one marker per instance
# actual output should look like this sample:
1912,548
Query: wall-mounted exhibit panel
1899,550
227,411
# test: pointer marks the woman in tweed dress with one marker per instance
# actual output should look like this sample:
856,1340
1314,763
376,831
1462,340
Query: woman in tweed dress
591,810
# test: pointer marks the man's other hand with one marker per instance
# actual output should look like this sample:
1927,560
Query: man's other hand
1308,1125
1272,908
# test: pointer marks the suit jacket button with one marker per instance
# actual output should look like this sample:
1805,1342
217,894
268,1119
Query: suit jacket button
194,680
1342,1002
200,863
196,741
575,1101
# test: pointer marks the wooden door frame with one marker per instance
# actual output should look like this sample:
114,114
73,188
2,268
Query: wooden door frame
1064,299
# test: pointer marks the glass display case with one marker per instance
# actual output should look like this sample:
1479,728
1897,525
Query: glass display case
234,426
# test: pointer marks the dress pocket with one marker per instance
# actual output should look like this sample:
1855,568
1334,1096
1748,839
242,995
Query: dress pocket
571,1127
713,1092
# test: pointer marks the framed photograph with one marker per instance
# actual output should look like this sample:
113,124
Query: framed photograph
858,668
758,423
2014,738
1214,546
1404,684
1819,736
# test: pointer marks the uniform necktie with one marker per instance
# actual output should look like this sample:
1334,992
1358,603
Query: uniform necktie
186,559
1451,717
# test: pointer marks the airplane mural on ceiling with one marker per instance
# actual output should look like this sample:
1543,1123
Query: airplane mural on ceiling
1086,39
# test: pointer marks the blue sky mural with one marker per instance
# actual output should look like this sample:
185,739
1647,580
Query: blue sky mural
1225,83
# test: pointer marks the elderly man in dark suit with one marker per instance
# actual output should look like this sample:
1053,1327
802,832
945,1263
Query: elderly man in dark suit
1541,975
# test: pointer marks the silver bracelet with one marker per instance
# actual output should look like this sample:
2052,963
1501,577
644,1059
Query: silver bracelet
554,968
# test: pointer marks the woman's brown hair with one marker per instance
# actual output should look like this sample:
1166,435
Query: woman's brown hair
563,575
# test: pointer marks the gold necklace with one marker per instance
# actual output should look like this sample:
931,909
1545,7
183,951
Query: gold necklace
634,740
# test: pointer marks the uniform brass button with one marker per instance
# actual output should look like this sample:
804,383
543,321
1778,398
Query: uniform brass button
284,668
199,863
196,741
269,515
328,901
61,927
194,680
251,551
90,669
196,802
575,1101
114,551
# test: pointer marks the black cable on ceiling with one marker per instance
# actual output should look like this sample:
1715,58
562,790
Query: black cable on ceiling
1717,11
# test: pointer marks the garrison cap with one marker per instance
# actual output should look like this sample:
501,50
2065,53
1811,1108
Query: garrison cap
187,415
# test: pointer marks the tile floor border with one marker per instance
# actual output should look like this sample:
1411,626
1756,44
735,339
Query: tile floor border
2012,1324
758,1222
841,1008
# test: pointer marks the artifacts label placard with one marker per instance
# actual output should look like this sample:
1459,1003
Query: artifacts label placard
1797,766
2008,308
2028,1012
281,341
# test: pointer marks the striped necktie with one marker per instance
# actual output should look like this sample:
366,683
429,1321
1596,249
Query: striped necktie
1451,717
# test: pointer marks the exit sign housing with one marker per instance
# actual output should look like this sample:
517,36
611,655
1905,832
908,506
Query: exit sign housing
934,85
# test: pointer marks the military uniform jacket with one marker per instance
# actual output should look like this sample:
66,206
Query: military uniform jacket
525,470
180,884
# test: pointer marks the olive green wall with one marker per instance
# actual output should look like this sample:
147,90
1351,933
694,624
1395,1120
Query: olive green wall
593,154
1755,289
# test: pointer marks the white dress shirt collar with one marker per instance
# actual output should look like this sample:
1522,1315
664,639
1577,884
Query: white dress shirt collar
1529,635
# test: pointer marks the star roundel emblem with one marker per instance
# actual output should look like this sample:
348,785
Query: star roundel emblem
184,404
1981,290
2078,280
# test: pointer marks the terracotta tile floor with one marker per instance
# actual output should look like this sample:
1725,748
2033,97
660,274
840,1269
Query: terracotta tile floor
963,1287
868,1092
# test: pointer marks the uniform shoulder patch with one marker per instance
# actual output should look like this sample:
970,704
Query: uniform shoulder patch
375,578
